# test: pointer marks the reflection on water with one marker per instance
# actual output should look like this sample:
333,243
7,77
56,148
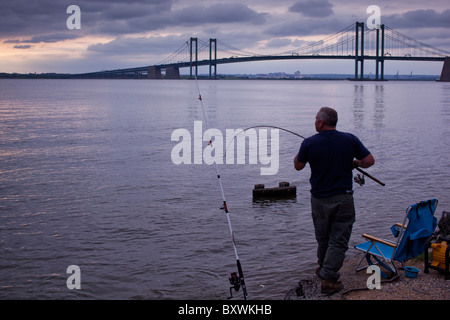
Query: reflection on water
365,97
378,115
358,106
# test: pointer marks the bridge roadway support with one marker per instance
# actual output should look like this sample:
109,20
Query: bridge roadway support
154,73
445,74
172,73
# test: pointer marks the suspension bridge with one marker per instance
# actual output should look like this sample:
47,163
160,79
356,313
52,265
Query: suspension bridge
356,42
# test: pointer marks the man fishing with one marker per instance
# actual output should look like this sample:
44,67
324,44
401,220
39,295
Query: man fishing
332,155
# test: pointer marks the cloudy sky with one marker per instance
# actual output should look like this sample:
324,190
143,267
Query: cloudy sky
119,34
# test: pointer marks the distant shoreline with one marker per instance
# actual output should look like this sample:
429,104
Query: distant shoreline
270,76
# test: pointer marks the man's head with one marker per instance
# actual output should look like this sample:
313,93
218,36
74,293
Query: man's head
326,119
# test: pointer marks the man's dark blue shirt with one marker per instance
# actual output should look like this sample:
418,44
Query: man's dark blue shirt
330,155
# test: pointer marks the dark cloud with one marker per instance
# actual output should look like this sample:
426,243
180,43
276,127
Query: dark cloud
278,43
307,27
313,8
22,46
41,39
418,19
51,38
25,18
12,41
190,16
122,11
219,13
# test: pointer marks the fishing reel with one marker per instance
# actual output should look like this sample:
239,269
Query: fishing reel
359,179
235,281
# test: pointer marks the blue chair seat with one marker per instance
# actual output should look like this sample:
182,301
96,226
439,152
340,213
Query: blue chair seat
386,251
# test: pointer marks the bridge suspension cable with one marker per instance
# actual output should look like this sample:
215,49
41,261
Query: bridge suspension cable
331,42
399,41
181,54
224,47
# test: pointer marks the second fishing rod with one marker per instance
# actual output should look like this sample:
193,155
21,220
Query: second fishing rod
236,279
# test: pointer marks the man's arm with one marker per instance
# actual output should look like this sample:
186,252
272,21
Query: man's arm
364,162
298,165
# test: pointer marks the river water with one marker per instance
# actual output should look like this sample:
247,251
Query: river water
87,178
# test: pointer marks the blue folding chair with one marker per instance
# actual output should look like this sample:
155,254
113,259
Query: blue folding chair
418,225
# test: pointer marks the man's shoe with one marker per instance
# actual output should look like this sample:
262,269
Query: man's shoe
331,287
317,272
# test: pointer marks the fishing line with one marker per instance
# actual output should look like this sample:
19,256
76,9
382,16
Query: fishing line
274,127
361,182
236,280
261,126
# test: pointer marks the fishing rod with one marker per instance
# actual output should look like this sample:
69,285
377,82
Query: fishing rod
236,279
370,176
358,179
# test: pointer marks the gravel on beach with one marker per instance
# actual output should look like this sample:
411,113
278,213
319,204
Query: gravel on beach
431,286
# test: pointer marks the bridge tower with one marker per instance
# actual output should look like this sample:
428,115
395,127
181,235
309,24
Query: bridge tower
359,52
193,55
212,60
359,58
379,62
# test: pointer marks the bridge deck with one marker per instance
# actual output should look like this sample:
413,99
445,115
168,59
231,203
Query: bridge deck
257,58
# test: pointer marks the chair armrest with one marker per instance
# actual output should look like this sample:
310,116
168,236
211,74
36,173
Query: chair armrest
372,238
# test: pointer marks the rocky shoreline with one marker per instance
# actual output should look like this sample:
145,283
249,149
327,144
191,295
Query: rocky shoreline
431,286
